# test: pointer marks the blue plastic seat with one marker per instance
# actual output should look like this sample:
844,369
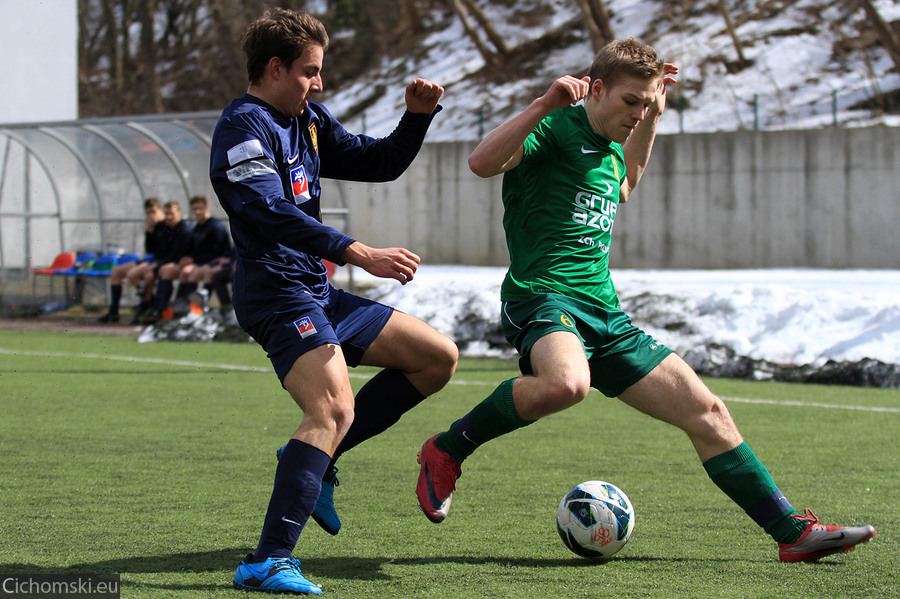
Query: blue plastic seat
101,267
126,258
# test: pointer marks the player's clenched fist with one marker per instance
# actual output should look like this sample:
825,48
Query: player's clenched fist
422,96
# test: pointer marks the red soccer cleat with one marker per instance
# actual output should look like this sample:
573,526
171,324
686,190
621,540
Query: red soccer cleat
819,540
437,481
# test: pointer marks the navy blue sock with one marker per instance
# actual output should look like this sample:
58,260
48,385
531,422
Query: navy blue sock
298,480
163,293
185,289
115,297
379,404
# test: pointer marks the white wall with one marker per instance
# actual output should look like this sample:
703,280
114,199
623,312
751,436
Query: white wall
827,198
39,64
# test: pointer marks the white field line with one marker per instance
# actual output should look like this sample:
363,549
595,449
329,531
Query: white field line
240,367
812,404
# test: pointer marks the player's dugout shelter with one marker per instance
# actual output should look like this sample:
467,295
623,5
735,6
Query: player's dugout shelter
79,187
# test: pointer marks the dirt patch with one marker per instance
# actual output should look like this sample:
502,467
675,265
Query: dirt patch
69,324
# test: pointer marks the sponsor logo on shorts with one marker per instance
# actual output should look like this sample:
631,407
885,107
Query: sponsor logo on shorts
566,320
305,327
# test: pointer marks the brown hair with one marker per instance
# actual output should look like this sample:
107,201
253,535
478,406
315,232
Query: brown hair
625,57
281,33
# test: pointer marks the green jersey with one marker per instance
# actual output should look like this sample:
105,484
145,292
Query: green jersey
560,205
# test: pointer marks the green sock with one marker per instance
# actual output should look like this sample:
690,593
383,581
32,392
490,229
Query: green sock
740,474
493,417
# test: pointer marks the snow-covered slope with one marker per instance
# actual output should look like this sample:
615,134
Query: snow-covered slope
803,55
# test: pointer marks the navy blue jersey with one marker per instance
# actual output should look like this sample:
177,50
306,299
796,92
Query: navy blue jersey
209,240
266,169
152,238
174,243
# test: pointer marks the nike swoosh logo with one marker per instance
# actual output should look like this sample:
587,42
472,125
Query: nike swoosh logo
587,151
467,438
837,537
256,573
436,503
290,521
293,158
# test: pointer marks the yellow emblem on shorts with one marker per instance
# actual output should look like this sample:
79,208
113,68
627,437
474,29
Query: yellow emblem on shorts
314,137
567,321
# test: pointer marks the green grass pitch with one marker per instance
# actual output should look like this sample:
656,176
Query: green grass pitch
155,462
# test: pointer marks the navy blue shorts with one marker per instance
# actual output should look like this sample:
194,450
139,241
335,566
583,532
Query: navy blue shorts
347,320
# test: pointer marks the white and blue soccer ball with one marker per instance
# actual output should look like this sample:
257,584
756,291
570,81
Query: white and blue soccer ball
595,519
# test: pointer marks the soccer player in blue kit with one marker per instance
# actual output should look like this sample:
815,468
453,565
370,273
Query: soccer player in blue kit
269,150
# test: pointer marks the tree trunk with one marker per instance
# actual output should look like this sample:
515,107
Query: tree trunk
885,33
729,25
596,19
413,17
489,57
495,38
148,59
113,49
601,18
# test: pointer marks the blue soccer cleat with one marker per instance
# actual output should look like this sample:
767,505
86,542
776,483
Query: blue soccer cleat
274,575
324,513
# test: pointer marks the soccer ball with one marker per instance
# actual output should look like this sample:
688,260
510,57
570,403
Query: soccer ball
595,519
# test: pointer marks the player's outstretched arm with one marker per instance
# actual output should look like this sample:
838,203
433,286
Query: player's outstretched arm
639,144
387,263
501,150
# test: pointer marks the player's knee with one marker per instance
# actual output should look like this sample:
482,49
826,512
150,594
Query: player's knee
714,422
446,357
336,416
435,366
343,418
570,390
559,393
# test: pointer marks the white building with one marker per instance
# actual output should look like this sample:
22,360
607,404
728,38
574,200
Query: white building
39,65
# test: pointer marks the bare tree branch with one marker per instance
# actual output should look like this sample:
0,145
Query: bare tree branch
489,57
729,25
596,18
886,34
495,38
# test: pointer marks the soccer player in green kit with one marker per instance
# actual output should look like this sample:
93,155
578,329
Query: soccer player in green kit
567,168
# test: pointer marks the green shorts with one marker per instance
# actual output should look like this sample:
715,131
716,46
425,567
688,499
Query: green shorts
619,353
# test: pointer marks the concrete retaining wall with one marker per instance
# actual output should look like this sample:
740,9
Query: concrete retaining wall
824,198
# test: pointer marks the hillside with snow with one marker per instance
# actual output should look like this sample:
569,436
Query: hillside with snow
802,325
810,63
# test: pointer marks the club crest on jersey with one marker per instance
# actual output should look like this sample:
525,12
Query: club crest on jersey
305,327
299,183
314,137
